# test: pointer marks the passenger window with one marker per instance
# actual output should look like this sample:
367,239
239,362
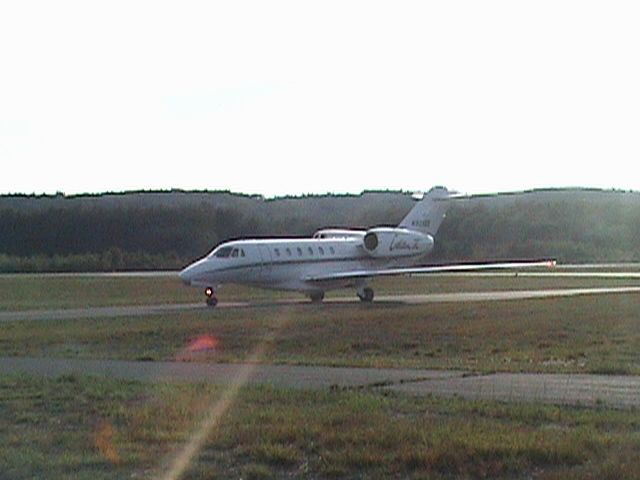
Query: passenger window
242,252
277,250
321,250
310,251
299,252
289,251
332,250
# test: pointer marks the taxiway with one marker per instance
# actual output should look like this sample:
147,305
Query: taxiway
456,297
566,389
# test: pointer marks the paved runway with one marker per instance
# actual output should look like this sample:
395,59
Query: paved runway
579,389
145,310
96,312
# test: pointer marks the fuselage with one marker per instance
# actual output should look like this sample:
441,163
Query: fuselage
333,258
287,264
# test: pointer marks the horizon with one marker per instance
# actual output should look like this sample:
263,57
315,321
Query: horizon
320,194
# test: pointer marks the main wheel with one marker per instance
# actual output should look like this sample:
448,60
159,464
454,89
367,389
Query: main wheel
366,295
316,297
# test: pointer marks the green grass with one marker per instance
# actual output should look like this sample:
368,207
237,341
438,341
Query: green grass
84,427
98,428
596,334
26,292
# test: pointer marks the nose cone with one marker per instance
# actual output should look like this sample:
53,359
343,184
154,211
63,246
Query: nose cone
185,275
196,273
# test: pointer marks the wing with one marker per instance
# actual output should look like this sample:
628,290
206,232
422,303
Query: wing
460,267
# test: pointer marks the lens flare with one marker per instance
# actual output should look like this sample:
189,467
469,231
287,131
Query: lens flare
174,468
202,344
198,348
211,420
103,440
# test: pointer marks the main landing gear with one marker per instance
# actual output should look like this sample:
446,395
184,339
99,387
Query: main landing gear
316,297
365,294
212,301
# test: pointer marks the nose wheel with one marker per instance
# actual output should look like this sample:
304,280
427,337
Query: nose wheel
212,301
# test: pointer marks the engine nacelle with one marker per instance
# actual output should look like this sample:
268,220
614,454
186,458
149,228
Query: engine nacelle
384,242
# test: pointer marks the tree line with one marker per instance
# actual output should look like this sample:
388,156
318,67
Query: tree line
159,230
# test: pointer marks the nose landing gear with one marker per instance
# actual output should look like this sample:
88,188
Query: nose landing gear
212,301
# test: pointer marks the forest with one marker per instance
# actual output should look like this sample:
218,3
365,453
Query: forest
167,230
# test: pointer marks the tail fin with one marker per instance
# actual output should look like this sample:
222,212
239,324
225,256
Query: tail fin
427,215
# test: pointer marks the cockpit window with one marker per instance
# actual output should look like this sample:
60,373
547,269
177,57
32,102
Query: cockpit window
223,252
235,252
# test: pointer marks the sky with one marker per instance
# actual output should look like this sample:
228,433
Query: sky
296,97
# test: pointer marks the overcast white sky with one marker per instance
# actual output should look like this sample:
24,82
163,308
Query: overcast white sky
277,97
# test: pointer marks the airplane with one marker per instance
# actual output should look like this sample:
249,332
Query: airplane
336,258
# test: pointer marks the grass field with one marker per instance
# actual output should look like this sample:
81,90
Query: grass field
597,334
94,428
84,427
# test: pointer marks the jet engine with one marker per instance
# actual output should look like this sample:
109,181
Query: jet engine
383,242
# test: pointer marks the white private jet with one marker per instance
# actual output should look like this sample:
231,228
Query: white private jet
334,258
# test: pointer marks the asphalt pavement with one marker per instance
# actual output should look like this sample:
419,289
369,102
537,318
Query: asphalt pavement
455,297
617,391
